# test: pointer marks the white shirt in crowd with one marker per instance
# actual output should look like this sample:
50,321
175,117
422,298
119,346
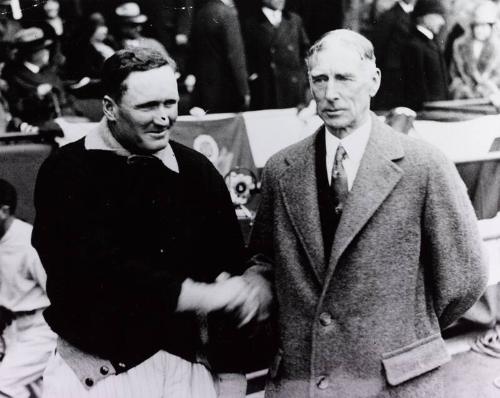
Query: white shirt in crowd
426,32
274,16
408,8
22,277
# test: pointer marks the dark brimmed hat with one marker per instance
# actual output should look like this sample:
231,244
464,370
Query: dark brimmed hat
425,7
31,40
130,13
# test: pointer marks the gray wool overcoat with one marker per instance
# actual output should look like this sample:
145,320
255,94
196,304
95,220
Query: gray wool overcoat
405,263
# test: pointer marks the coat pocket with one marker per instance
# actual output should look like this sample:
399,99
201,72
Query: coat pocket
415,359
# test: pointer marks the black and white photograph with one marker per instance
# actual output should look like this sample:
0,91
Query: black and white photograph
250,199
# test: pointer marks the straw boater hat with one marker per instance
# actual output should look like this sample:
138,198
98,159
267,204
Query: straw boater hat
31,39
130,13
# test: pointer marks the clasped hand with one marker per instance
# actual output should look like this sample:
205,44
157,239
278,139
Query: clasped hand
234,295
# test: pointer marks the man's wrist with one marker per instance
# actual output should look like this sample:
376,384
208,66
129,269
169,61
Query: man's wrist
193,297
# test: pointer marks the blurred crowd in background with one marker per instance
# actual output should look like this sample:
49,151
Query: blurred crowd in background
238,55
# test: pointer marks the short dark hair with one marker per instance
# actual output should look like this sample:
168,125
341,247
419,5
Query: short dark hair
122,63
8,195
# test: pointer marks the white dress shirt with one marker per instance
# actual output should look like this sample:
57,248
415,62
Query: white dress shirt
354,145
101,138
274,16
32,67
408,8
426,32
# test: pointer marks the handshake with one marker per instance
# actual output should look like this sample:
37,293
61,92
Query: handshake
246,297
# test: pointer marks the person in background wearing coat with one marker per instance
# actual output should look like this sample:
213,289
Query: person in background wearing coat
129,25
276,45
425,75
36,94
217,59
388,35
475,65
370,240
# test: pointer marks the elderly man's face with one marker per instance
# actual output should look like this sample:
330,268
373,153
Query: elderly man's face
342,85
147,110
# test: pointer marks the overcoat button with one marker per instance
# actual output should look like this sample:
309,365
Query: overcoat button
325,319
89,382
104,370
121,365
322,383
496,382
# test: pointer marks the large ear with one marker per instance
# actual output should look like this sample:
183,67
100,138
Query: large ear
110,108
376,78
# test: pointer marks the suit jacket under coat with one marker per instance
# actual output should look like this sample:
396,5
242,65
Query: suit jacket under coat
218,58
405,263
276,55
425,72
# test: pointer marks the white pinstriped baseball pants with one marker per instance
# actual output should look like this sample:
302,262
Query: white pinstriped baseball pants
162,376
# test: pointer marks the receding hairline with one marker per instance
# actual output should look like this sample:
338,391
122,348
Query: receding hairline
346,38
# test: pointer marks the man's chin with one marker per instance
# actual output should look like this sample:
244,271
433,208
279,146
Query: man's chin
337,124
155,146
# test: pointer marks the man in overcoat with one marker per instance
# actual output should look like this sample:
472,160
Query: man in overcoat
276,45
388,36
217,58
425,75
370,240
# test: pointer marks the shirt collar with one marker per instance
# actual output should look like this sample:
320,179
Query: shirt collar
426,32
32,67
100,138
229,3
354,144
274,16
408,8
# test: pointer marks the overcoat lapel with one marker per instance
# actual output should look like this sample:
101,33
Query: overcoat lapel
300,196
376,178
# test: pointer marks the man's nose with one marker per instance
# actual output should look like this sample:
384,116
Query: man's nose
332,92
161,117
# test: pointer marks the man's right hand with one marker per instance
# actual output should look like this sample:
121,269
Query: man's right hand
228,294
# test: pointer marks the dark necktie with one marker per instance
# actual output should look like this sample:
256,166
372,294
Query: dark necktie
339,186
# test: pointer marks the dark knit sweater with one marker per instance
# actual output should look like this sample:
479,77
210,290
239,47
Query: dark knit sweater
117,241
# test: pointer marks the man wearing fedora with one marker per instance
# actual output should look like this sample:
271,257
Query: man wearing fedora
36,94
129,23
